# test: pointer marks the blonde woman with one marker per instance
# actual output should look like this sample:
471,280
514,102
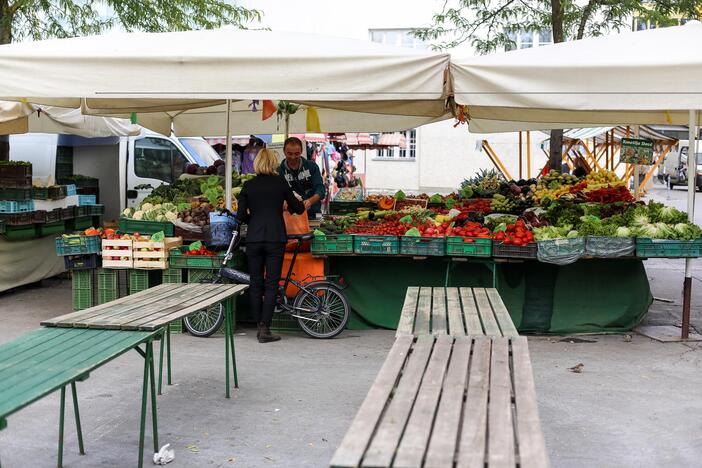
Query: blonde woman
261,207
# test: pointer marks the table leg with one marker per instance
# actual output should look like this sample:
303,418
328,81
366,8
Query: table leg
160,361
62,411
168,352
154,415
226,350
144,392
77,414
232,321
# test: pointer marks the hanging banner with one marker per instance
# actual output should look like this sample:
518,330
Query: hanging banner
637,151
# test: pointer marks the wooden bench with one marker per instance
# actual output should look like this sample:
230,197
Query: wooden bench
455,312
456,389
48,359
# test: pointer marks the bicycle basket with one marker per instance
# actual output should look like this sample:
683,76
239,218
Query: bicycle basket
222,225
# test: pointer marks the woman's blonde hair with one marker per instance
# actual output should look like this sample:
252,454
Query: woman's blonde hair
266,162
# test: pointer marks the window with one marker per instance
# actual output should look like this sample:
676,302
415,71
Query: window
402,154
156,158
528,39
397,37
545,37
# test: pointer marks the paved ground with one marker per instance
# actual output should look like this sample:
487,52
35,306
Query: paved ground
637,403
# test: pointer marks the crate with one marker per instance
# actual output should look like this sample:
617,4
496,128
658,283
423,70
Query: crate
376,245
131,226
68,213
82,280
117,253
502,250
2,227
468,246
82,211
178,259
81,223
157,257
75,244
140,280
18,183
357,193
172,275
558,247
200,275
17,219
19,206
13,233
423,246
610,247
49,229
98,210
39,217
81,262
12,171
192,236
82,287
57,192
86,200
108,280
284,323
16,193
345,207
52,215
71,190
79,181
646,247
332,243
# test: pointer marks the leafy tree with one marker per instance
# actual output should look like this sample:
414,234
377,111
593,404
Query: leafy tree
490,25
43,19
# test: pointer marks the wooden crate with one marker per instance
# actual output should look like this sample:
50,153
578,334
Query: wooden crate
157,257
117,248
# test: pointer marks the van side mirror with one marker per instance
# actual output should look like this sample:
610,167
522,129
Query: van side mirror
131,194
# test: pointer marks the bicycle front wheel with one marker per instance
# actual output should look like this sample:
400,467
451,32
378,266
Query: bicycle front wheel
322,310
205,322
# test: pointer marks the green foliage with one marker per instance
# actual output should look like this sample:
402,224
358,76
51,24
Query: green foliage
491,25
41,19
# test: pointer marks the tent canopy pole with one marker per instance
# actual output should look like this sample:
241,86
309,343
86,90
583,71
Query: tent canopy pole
691,186
228,160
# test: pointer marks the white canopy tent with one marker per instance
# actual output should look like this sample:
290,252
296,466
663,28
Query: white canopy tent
16,117
644,77
149,73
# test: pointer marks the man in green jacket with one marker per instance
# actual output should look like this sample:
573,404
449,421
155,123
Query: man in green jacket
303,176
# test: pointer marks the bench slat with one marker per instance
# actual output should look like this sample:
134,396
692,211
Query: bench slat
438,312
470,312
501,430
409,310
28,345
350,452
504,320
444,437
471,450
386,439
486,313
416,436
422,325
455,319
532,447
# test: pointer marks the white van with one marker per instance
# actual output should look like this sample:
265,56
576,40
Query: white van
127,167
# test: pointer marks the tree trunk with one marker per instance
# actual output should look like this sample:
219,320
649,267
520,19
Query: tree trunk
5,38
555,160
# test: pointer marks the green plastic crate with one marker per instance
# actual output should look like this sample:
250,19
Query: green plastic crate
20,232
2,227
82,279
78,244
468,247
84,222
332,243
140,280
172,275
99,210
284,323
423,246
176,327
108,280
376,245
502,250
198,275
51,228
177,259
15,193
81,211
646,247
131,226
105,296
82,299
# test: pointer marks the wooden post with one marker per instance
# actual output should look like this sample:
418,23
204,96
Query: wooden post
520,154
528,147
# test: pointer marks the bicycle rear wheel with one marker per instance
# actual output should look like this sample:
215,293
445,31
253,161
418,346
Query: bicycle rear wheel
324,310
205,322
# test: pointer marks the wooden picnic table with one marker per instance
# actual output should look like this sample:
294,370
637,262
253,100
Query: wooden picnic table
154,308
454,311
48,359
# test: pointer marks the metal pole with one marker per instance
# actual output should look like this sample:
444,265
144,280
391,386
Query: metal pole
637,189
520,155
528,145
691,179
228,161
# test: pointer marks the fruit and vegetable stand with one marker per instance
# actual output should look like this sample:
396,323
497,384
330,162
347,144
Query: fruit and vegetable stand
553,247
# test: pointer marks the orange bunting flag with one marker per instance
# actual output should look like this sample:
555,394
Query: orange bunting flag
269,108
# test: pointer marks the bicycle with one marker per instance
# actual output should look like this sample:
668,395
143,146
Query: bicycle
320,306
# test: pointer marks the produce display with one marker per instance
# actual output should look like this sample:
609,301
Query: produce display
523,213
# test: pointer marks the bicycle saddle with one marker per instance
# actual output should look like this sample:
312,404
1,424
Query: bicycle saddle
301,237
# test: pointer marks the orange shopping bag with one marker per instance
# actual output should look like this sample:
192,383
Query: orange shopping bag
297,224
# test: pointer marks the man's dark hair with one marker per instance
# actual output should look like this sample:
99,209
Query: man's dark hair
292,141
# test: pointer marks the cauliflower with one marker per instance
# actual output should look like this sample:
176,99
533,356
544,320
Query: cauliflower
171,216
160,218
146,206
128,212
138,215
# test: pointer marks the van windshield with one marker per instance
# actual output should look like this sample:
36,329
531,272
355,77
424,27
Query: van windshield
198,148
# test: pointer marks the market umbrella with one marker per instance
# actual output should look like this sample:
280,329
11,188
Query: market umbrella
16,117
644,77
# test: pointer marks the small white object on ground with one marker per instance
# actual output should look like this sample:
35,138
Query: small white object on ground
164,455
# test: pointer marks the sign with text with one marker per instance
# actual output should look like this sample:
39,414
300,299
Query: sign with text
637,151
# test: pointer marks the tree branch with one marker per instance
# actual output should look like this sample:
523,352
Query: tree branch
587,12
